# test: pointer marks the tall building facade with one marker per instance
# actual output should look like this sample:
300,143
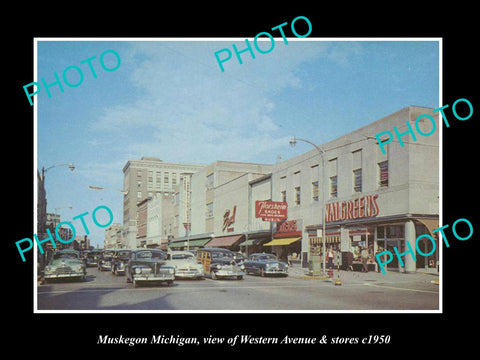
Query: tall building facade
144,179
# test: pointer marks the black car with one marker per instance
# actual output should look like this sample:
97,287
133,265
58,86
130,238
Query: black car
105,261
148,265
120,259
218,262
92,257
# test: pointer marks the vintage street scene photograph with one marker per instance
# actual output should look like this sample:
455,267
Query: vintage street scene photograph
277,173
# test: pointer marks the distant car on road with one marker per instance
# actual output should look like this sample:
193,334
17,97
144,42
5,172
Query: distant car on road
265,264
92,257
65,264
186,264
120,258
105,261
148,265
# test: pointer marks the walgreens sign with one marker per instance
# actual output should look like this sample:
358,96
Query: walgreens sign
275,211
363,207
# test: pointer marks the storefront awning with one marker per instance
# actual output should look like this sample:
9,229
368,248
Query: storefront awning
284,241
225,241
430,224
329,240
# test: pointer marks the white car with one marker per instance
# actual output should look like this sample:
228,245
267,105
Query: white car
185,264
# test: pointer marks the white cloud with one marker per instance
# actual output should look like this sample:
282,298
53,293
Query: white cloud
184,108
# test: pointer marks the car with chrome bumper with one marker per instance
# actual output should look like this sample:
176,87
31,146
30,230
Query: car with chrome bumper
147,266
106,260
92,257
220,263
185,264
265,264
120,259
65,264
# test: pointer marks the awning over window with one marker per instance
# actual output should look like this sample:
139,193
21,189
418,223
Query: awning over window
225,241
430,224
284,241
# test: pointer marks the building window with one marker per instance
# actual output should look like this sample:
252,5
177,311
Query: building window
315,191
209,212
284,196
165,178
139,173
174,179
139,195
333,186
139,184
297,195
357,180
210,182
383,174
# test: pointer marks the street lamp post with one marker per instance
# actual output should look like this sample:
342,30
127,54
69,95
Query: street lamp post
293,142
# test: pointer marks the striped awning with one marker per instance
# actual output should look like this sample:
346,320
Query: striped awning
284,241
329,240
225,241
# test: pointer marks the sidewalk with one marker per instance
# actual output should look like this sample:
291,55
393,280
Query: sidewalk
296,271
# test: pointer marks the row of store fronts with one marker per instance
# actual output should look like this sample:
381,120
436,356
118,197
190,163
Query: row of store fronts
367,200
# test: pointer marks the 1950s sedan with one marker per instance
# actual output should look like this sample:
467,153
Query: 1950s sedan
148,265
185,264
106,260
265,264
220,263
65,264
120,259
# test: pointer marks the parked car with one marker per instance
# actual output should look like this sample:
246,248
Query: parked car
219,263
186,264
105,261
120,258
93,256
65,264
265,264
148,265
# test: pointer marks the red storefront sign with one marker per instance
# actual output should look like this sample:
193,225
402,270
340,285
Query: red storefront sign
363,207
271,210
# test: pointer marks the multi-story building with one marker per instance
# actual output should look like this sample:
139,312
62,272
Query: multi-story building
143,179
372,200
113,236
219,204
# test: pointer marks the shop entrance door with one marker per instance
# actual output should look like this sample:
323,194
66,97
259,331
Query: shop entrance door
391,244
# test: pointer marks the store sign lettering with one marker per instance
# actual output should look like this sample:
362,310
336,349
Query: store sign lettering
288,226
363,207
271,210
229,220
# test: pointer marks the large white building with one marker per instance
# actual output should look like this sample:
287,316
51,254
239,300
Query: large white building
374,200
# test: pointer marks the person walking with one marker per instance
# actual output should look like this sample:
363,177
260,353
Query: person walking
365,256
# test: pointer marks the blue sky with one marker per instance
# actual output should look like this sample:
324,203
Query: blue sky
169,99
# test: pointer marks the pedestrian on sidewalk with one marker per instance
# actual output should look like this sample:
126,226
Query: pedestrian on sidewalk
365,255
349,261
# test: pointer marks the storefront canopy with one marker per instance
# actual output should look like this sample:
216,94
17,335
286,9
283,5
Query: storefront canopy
225,241
284,241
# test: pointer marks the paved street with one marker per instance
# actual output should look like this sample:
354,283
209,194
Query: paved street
359,291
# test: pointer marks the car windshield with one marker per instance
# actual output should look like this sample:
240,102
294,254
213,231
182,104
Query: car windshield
222,254
65,256
266,257
123,253
156,255
182,256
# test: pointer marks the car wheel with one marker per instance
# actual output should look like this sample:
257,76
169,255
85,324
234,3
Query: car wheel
213,275
240,277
